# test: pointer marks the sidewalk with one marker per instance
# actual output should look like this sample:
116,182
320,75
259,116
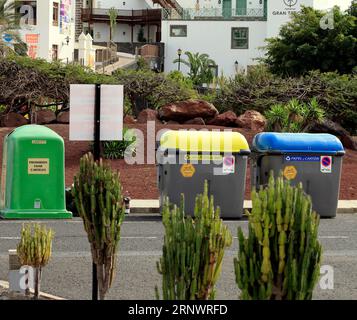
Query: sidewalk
152,206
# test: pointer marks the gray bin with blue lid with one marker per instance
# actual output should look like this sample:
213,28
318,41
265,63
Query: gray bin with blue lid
315,160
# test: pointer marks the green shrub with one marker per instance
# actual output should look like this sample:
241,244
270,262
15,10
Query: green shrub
128,108
209,96
99,200
280,259
260,90
294,116
193,250
117,149
142,64
180,78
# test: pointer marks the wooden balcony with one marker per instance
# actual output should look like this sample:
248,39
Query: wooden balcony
146,16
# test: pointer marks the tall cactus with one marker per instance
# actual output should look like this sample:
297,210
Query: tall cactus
98,197
193,250
280,259
34,249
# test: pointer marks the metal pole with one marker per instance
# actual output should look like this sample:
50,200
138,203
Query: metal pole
97,123
179,63
96,155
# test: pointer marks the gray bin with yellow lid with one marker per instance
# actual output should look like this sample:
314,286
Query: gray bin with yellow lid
187,158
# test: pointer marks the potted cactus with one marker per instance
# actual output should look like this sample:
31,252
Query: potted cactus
34,250
280,258
98,197
193,250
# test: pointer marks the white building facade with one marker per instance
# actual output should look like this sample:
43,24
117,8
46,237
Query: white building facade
47,27
231,32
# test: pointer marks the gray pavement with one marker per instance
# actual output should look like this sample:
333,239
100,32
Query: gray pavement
69,272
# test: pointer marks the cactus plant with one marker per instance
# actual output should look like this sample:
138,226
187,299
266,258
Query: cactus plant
280,259
34,249
98,197
193,250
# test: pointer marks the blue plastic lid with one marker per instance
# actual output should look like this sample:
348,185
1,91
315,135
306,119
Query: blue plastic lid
273,142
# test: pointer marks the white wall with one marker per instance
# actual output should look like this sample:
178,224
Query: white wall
120,29
203,3
328,4
123,4
214,38
279,14
59,37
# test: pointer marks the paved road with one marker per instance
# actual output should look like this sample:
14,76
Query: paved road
69,272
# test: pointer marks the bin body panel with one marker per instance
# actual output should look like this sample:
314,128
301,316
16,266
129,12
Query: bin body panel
228,190
323,188
304,154
33,180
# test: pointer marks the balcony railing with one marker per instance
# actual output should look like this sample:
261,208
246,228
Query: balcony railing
146,15
214,14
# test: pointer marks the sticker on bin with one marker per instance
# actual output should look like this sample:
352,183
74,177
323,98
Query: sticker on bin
290,172
38,166
187,170
326,164
228,164
303,158
203,157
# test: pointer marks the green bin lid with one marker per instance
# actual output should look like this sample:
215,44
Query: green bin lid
34,131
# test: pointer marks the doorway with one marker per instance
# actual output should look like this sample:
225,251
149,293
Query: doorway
227,8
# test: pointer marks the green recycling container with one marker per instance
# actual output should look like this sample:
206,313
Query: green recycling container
32,179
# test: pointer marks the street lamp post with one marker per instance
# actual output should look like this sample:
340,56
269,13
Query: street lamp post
236,66
179,52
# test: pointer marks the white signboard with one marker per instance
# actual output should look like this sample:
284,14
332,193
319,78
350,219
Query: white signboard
81,119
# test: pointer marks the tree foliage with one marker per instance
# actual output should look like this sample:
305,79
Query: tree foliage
113,14
25,81
157,88
314,40
353,8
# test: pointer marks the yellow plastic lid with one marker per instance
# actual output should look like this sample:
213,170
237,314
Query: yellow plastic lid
204,141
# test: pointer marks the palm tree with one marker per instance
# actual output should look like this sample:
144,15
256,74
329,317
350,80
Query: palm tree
113,14
313,114
200,67
9,26
277,118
